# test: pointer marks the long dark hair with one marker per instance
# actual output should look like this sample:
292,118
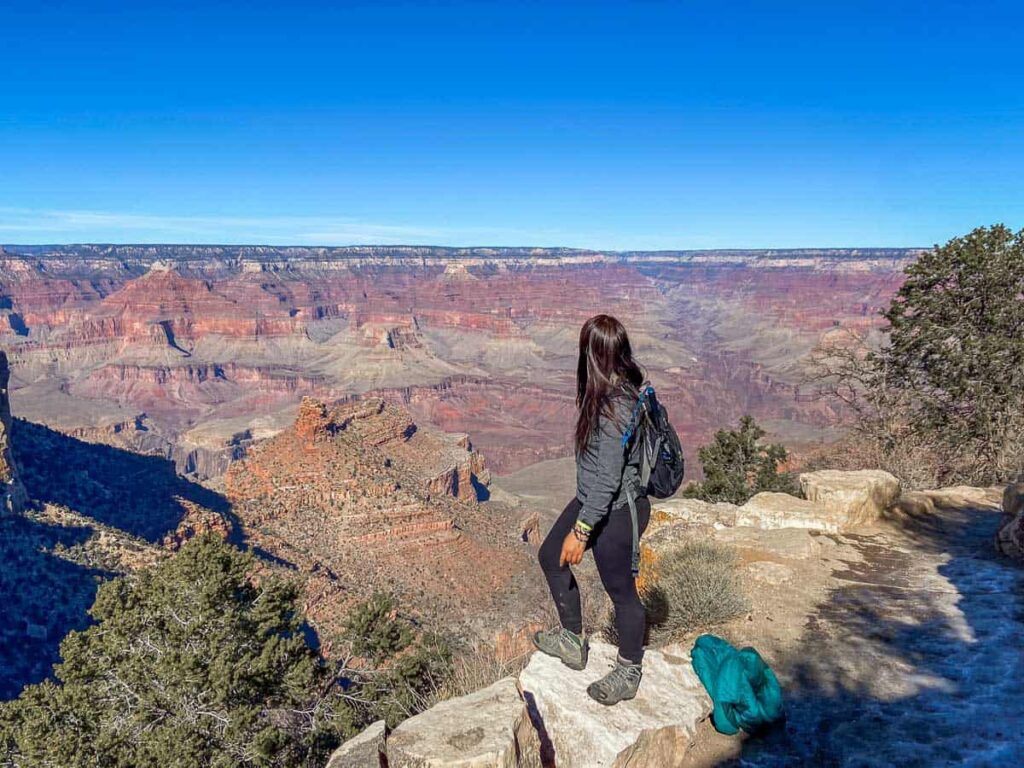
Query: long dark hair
605,366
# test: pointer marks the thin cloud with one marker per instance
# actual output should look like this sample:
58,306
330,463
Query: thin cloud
30,225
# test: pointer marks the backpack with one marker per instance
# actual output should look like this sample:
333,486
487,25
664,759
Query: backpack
661,459
661,454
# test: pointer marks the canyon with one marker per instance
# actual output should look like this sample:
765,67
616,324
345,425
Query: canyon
345,412
196,353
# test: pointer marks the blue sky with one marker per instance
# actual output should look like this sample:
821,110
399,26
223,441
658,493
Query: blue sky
606,125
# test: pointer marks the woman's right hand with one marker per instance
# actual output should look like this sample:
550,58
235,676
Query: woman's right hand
572,550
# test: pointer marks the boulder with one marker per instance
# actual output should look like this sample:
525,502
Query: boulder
1013,499
780,510
911,505
366,750
966,497
654,730
486,729
1010,537
859,497
718,515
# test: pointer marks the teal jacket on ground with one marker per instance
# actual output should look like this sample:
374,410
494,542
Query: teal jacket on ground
745,691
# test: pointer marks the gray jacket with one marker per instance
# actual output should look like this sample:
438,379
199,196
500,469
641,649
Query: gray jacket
599,469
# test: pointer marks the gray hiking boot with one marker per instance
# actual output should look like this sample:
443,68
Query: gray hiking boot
618,685
571,648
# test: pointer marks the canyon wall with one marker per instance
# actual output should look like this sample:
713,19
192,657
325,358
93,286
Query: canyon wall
192,352
12,493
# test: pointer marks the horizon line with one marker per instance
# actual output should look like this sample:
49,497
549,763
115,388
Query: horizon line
736,249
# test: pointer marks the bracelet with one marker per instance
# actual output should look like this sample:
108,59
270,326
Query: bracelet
581,533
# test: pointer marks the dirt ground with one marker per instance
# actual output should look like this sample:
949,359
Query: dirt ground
901,645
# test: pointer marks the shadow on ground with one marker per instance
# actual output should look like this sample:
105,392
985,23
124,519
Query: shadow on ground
45,591
135,493
915,659
44,597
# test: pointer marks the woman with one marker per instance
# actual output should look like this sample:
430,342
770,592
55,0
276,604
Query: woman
598,518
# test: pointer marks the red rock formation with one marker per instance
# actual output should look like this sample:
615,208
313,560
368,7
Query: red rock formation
196,521
349,491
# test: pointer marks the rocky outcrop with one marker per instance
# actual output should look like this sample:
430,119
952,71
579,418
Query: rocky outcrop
367,750
12,493
547,719
1010,538
718,515
490,728
780,510
347,494
654,729
197,521
859,497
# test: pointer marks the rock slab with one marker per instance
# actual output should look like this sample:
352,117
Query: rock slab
486,729
780,510
654,729
859,497
367,750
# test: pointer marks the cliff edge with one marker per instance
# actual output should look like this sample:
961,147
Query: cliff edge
12,493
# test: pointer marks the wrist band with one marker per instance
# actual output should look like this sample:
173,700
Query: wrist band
581,532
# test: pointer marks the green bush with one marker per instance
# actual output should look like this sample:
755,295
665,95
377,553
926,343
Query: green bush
394,671
737,465
941,399
696,587
190,662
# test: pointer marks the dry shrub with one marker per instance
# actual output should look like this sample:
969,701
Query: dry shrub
916,463
697,586
472,670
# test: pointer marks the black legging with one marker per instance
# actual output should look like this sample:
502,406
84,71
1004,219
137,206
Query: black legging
612,542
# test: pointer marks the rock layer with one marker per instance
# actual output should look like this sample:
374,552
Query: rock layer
350,494
780,510
480,341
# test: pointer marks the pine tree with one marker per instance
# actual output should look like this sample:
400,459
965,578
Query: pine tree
191,662
956,345
737,465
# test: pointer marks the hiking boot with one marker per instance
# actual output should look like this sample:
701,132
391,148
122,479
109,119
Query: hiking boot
571,648
618,685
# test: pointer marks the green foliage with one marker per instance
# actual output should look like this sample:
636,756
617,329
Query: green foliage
737,465
189,663
941,401
404,671
392,671
696,587
375,631
956,341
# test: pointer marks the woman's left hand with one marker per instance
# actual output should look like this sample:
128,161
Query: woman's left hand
572,550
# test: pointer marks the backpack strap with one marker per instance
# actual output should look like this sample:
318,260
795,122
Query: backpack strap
632,492
633,481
